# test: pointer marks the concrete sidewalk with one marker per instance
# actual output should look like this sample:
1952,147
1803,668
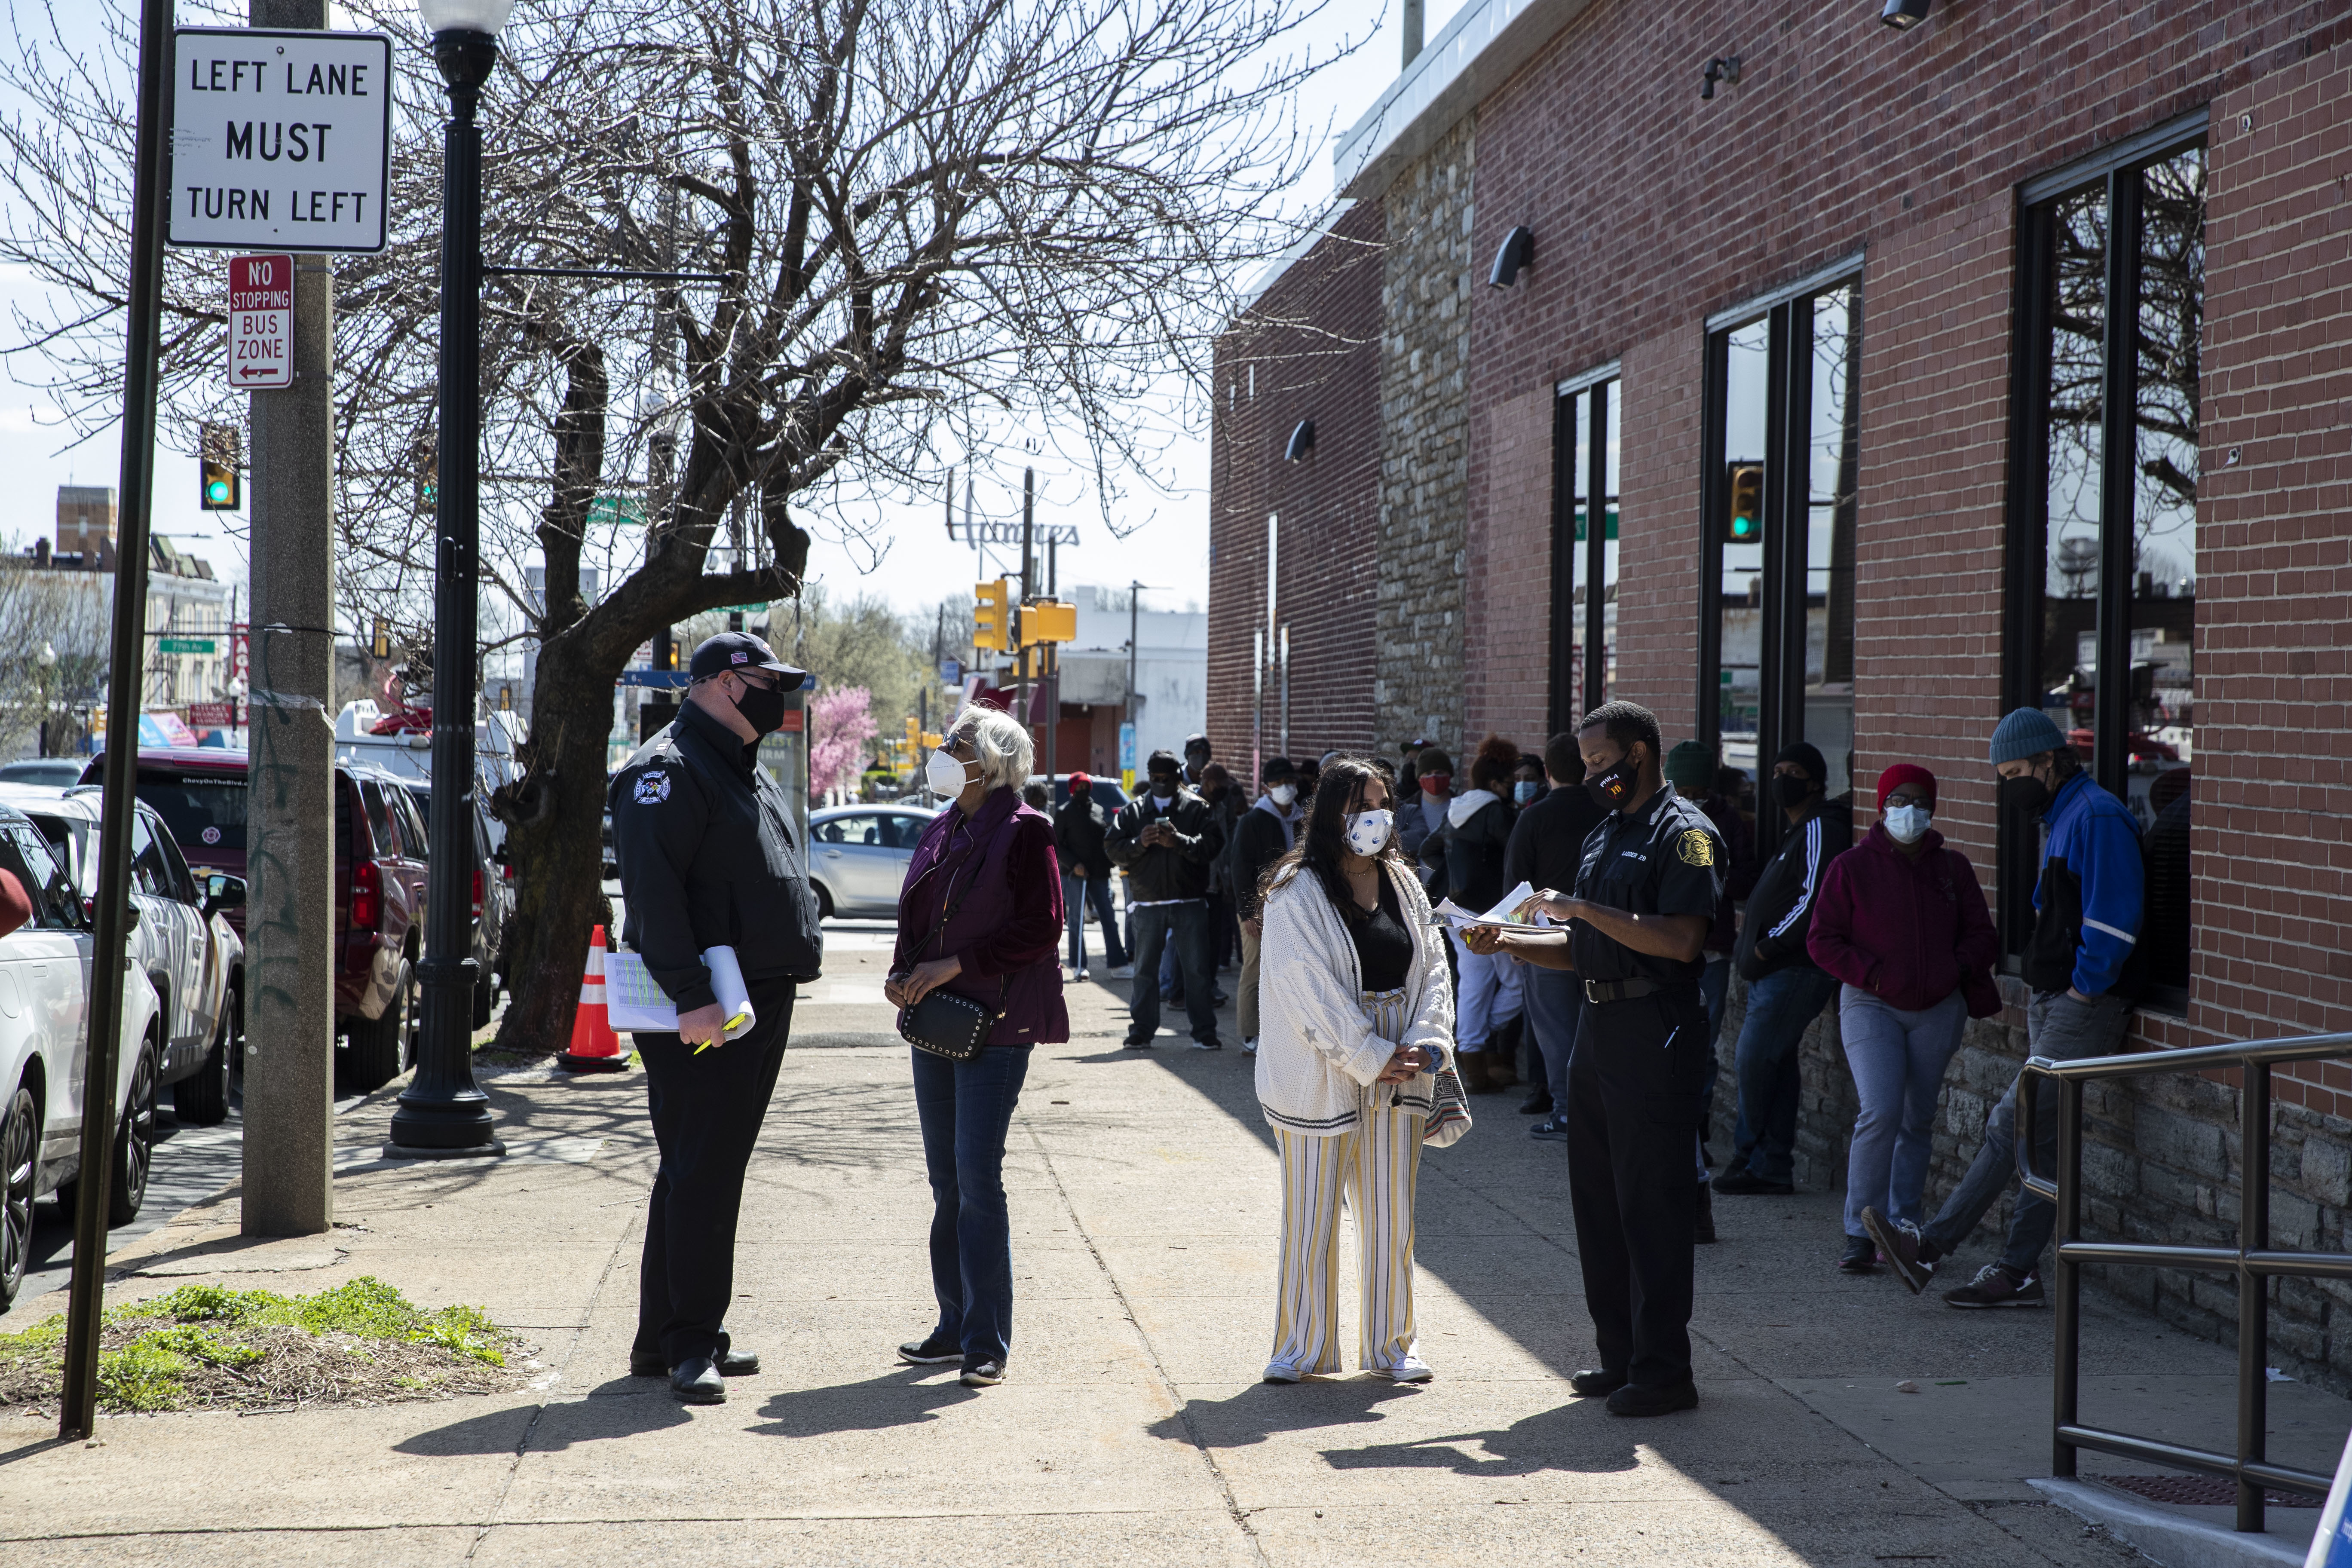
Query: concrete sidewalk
1133,1427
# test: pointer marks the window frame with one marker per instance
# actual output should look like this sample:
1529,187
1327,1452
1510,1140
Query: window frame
1788,509
2026,506
1577,687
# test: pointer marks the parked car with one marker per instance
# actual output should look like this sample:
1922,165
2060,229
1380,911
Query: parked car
493,896
379,887
181,940
45,1055
858,856
56,772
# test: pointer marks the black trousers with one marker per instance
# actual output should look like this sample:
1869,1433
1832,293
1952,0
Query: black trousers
1633,1086
707,1108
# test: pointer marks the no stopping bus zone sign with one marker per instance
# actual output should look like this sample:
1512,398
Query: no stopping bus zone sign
260,322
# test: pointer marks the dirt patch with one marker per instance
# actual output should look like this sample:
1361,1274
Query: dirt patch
205,1347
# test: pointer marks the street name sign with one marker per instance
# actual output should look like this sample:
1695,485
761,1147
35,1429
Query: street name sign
183,644
279,139
260,321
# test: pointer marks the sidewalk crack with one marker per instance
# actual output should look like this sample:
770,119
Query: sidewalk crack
1233,1509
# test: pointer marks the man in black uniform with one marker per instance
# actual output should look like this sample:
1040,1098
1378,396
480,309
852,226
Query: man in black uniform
1645,893
709,859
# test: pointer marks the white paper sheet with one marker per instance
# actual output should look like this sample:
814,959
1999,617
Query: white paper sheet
635,1003
1504,914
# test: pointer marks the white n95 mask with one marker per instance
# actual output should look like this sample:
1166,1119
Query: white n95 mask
1283,794
1907,823
943,773
1368,831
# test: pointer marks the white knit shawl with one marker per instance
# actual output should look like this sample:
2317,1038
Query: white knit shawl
1315,1051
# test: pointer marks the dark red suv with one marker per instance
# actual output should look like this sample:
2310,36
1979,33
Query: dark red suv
200,792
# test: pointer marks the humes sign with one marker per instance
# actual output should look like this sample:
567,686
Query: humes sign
280,141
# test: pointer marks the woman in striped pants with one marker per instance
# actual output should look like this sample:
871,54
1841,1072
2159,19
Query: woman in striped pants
1356,1018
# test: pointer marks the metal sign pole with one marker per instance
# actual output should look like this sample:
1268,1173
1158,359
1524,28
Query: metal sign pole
108,951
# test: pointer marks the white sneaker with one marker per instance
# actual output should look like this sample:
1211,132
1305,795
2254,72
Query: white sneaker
1123,972
1408,1369
1275,1372
1249,1046
1080,976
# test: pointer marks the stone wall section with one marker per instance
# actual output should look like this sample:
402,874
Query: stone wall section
1424,457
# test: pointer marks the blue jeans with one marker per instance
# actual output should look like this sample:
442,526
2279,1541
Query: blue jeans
966,1108
1188,923
1780,1006
1898,1057
1555,1000
1077,892
2064,1030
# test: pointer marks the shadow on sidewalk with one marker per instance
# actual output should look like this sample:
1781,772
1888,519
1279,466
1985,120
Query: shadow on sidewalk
556,1427
1581,1437
1262,1410
899,1398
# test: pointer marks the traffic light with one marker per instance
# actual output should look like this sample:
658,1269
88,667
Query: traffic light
428,486
991,620
381,644
1049,620
1746,504
914,740
216,463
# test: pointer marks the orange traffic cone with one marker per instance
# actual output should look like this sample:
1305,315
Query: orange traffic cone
594,1046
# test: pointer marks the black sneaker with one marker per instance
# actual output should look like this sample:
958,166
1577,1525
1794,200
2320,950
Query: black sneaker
1903,1247
1860,1256
1552,1129
1537,1104
1211,1044
982,1372
932,1351
1740,1182
1996,1286
1144,1044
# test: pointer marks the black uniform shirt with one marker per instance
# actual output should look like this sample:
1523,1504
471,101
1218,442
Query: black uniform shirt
1664,859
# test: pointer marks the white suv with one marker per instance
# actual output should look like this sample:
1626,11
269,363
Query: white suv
45,1054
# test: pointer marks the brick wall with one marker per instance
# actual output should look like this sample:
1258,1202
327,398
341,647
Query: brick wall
1424,420
1309,349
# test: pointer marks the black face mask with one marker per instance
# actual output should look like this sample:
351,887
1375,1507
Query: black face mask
762,707
1794,790
1614,786
2026,793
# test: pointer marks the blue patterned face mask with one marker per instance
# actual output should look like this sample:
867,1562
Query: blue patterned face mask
1368,831
1524,791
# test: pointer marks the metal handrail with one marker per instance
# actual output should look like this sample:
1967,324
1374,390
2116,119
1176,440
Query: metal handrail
2251,1260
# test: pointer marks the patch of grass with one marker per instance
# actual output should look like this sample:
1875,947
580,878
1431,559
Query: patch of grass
208,1344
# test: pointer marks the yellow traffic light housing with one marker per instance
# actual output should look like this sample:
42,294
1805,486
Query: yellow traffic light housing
1048,621
991,619
216,463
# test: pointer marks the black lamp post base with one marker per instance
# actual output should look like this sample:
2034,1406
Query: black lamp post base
493,1150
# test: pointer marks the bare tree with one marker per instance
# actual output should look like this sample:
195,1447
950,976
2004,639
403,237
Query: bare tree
913,209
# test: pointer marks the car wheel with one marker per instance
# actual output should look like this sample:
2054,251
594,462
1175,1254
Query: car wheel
202,1100
134,1141
378,1047
824,902
20,1163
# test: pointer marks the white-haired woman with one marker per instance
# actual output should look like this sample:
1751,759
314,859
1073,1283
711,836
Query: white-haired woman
1356,1018
980,914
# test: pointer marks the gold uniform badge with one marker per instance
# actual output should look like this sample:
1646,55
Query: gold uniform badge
1696,848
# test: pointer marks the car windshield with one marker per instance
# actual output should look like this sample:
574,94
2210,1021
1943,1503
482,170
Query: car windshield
202,811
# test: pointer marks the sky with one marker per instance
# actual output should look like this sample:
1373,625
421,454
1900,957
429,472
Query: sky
915,566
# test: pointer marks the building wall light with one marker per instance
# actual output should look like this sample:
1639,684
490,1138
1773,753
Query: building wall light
1302,441
1519,250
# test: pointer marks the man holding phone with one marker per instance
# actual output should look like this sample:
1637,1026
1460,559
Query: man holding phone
1167,839
708,858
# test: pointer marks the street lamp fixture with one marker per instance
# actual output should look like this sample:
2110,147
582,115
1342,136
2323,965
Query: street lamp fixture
443,1112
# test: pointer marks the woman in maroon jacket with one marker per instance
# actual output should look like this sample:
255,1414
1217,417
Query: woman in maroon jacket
980,914
1900,920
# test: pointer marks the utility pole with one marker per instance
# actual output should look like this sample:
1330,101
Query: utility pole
1028,588
289,1143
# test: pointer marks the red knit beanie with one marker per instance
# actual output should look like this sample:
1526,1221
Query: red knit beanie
1902,774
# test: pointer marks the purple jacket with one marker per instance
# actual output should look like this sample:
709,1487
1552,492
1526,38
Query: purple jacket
1000,871
1909,931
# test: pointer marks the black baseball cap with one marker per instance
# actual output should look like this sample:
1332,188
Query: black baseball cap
739,650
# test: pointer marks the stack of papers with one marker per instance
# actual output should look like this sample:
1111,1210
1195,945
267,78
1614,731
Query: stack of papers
635,1003
1503,914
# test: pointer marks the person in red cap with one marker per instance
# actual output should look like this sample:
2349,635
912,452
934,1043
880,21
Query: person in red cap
1901,921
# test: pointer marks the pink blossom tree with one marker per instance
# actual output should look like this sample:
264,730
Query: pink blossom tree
840,723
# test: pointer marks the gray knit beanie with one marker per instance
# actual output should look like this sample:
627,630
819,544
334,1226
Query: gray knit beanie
2026,733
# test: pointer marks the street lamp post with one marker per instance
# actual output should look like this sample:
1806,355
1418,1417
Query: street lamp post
442,1111
48,660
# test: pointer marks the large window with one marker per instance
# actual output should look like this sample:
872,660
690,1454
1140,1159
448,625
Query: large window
1585,547
1776,619
2102,503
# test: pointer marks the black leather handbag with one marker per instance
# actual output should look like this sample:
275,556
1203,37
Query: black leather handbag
945,1023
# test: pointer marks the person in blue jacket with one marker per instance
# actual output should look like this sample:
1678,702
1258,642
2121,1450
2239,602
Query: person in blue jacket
2084,969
